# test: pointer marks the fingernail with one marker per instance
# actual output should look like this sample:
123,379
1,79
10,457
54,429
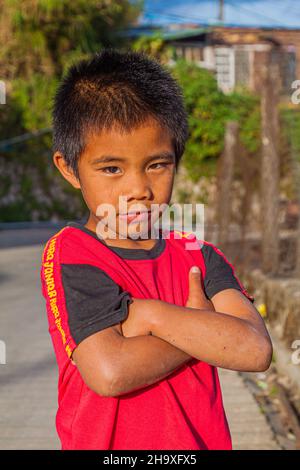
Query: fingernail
195,269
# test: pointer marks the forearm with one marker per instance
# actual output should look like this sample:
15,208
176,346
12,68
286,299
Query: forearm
143,360
213,337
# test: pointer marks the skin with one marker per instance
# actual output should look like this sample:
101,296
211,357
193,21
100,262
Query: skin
157,337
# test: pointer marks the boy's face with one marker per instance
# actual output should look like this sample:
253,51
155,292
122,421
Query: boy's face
140,165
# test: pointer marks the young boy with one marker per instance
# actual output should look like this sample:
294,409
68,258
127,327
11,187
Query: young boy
138,335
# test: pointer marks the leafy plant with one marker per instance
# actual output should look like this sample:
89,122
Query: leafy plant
209,109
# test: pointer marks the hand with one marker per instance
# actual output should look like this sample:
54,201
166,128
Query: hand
136,323
197,298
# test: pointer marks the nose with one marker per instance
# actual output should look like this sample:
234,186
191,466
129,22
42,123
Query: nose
138,188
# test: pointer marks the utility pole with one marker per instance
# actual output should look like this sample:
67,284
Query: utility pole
221,11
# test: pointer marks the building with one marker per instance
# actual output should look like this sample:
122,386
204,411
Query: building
234,54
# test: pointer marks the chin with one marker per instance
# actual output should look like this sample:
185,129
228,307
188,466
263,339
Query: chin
138,231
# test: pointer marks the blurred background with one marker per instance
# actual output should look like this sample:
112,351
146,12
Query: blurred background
238,63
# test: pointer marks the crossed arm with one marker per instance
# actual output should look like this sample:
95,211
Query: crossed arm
157,338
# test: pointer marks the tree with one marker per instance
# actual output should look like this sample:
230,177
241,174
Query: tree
39,39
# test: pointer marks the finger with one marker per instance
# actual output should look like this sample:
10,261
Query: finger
197,298
195,286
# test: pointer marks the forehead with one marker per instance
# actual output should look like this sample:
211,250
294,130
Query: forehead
148,138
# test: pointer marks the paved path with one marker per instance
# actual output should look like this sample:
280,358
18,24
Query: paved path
28,380
248,426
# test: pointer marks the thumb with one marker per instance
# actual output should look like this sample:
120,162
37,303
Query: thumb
195,270
195,288
195,279
197,297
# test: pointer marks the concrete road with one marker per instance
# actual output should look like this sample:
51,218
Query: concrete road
28,380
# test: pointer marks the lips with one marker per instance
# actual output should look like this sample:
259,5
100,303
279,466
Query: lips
135,215
134,212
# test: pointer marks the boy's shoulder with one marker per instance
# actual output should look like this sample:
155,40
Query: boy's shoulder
60,236
212,255
66,243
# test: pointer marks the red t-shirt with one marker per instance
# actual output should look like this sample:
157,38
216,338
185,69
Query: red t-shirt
88,286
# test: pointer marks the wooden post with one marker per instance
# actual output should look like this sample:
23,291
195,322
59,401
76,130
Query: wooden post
270,165
225,178
248,171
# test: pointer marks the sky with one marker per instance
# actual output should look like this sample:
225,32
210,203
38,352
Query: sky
280,13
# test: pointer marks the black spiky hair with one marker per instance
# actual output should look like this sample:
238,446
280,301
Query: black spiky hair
114,87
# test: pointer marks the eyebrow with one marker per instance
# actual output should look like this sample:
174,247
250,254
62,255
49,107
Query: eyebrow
110,158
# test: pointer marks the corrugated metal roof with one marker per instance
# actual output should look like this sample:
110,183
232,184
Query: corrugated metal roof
184,33
166,34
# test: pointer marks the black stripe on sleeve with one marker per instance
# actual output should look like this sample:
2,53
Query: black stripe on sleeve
93,300
219,274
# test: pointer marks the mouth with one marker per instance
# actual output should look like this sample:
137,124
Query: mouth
137,216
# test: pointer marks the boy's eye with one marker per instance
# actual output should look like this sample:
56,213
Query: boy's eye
109,168
161,163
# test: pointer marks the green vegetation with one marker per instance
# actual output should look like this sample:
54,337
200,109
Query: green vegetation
290,118
209,109
39,40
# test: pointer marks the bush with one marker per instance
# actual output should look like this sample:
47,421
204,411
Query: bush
209,109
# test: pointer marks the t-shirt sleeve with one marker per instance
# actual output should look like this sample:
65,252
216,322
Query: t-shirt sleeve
220,273
93,300
81,299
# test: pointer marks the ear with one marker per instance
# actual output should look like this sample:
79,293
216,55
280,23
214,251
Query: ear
65,170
